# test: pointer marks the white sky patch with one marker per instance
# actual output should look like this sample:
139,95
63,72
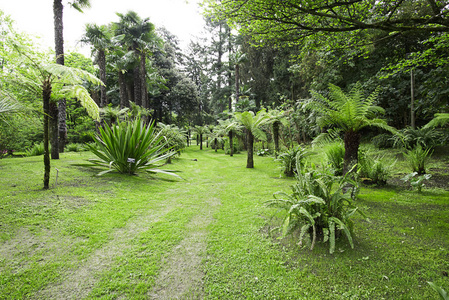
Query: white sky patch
182,18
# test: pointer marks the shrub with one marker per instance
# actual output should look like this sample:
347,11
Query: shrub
383,141
335,155
175,138
291,159
374,170
236,143
263,152
36,150
417,157
75,147
129,147
424,137
318,206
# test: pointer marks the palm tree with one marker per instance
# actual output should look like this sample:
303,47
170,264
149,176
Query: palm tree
54,81
252,124
200,130
232,128
347,113
277,118
138,36
121,62
58,117
100,38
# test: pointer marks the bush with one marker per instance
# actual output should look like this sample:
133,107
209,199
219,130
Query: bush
424,137
418,158
236,143
335,155
36,150
383,141
373,170
175,138
75,147
317,207
291,159
129,147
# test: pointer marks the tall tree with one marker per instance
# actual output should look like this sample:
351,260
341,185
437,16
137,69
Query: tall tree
99,36
252,123
347,113
59,129
139,36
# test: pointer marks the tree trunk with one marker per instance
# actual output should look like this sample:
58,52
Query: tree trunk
62,128
54,129
276,138
201,141
46,93
231,143
250,149
143,81
59,52
352,142
102,67
122,86
137,87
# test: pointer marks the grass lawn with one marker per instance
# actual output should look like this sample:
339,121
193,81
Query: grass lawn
204,237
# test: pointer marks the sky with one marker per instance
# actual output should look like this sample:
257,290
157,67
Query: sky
181,17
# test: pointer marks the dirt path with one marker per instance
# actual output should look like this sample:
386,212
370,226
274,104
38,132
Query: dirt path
78,283
182,276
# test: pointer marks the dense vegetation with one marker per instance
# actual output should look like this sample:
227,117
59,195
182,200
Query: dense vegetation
346,100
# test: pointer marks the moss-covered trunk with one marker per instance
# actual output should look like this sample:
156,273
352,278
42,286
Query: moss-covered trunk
54,129
250,149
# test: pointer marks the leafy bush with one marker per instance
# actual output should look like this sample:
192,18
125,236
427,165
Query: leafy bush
335,155
424,137
36,150
375,170
417,158
291,159
75,147
318,206
383,141
416,182
263,152
176,139
129,147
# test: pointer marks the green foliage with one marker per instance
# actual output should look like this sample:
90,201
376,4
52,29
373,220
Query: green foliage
36,150
263,152
318,206
335,155
292,159
426,137
130,147
373,170
416,182
440,119
443,294
383,141
175,138
417,158
75,147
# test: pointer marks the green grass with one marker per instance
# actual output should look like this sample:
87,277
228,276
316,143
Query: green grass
116,236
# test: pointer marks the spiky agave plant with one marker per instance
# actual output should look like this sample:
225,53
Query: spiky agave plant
130,147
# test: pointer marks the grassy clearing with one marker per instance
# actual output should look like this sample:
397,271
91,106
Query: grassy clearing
140,237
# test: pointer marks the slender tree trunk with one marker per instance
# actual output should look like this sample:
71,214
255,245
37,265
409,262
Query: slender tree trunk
61,128
201,141
216,145
237,83
46,93
54,129
352,142
276,138
231,143
250,149
102,66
